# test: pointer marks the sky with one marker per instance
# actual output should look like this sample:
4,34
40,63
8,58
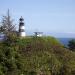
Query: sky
52,17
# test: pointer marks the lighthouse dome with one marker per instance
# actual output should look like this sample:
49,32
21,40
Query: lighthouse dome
21,19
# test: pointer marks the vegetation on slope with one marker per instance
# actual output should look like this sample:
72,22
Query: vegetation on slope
71,44
35,56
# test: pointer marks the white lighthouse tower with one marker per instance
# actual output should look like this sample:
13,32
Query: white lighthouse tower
21,28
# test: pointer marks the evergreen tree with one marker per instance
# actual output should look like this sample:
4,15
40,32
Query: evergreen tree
71,45
7,24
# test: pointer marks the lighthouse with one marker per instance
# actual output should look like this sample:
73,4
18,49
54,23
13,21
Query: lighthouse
22,32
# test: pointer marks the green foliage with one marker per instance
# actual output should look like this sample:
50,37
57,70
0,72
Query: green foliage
35,56
71,45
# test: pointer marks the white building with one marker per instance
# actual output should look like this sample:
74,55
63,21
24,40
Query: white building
22,32
38,34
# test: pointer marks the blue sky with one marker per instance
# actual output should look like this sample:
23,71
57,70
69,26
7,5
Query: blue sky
53,17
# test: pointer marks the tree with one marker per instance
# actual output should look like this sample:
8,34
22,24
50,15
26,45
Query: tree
7,25
71,45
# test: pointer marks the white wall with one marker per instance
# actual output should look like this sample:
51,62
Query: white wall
22,34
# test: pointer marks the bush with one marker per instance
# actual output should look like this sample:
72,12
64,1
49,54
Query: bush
71,45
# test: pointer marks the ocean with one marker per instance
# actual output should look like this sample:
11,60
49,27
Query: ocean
64,41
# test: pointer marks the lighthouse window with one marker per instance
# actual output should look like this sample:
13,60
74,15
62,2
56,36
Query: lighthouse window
21,23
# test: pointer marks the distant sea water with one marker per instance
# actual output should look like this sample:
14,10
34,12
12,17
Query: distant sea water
64,41
2,37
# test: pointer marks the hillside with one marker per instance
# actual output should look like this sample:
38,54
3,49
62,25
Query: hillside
35,56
